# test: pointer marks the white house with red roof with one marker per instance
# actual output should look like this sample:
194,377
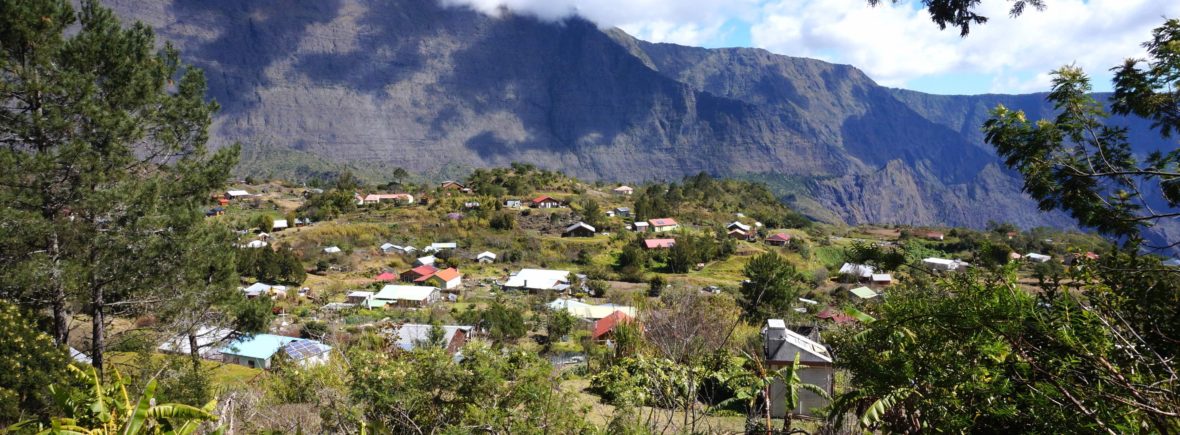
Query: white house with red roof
545,201
659,225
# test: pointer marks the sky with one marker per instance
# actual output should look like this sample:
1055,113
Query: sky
895,44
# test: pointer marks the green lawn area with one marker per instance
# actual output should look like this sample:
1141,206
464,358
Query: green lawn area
223,375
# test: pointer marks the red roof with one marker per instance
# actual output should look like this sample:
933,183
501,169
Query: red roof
780,237
387,276
830,313
659,243
608,323
543,198
662,222
423,271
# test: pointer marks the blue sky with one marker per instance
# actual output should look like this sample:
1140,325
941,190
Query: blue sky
896,45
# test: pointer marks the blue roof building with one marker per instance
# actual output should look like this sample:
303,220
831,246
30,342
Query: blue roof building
257,351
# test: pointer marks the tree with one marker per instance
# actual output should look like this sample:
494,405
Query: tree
1094,350
426,390
264,222
1079,164
655,286
559,325
105,160
591,212
961,13
771,286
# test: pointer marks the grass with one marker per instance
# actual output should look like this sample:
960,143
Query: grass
222,374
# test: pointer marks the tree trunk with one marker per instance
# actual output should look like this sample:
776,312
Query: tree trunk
61,327
97,331
193,351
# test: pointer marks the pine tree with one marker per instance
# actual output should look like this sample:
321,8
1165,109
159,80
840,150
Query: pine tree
105,165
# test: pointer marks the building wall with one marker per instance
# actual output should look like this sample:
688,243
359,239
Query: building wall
823,376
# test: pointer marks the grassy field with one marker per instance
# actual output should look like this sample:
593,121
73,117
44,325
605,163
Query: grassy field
222,374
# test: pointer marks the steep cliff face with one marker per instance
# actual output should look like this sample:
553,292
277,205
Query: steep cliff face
377,84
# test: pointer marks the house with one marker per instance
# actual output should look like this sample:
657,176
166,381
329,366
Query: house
453,185
1039,258
623,190
258,350
262,289
359,298
604,328
446,279
80,357
534,280
660,225
857,271
302,222
659,243
332,250
779,239
782,348
864,293
388,248
738,234
405,296
215,211
486,257
412,335
834,315
882,279
934,235
471,205
623,211
406,249
420,272
586,311
435,247
378,198
256,244
425,261
386,276
279,225
236,194
580,229
738,225
640,227
942,264
208,339
610,213
545,201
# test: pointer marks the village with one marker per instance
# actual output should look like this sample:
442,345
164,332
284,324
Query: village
460,261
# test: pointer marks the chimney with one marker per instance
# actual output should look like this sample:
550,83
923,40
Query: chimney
775,336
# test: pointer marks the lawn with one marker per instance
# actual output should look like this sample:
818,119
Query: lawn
223,375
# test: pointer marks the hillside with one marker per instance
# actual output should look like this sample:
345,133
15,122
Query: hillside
375,85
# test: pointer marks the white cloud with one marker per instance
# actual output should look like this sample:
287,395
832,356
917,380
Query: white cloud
894,44
898,43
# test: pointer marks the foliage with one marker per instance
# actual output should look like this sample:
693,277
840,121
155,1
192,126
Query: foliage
1079,164
105,166
31,363
961,13
558,325
717,195
503,221
502,322
772,285
426,391
271,266
107,408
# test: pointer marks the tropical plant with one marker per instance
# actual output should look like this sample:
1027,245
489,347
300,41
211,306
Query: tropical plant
108,409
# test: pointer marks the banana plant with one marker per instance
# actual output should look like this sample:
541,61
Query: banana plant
749,385
108,410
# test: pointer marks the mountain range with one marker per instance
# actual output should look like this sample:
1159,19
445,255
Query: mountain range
315,86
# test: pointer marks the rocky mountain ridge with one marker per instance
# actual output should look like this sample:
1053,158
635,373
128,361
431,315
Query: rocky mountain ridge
378,84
